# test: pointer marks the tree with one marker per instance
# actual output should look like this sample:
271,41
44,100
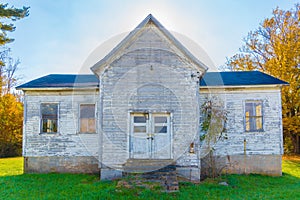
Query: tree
8,78
274,48
12,14
11,122
8,14
11,109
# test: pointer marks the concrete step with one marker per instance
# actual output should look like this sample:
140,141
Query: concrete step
146,165
163,171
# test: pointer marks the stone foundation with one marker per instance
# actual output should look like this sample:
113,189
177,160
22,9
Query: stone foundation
190,173
61,164
246,164
110,174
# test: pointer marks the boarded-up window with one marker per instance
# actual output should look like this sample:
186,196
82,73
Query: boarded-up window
49,116
253,116
87,118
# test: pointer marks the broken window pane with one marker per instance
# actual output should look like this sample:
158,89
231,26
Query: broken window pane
161,129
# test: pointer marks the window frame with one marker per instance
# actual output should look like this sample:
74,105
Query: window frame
150,125
150,121
41,118
254,116
160,124
79,118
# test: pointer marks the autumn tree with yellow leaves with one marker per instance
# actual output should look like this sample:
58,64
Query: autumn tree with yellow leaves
274,48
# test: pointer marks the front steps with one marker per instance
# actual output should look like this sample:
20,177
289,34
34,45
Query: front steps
145,165
163,171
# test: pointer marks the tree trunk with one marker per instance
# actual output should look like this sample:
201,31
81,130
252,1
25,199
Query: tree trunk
295,143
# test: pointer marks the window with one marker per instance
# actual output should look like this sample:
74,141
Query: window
49,116
87,118
253,116
160,124
157,124
139,124
150,136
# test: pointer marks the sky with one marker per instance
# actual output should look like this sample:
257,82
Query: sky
59,37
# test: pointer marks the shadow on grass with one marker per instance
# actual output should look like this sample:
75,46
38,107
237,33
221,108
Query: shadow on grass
70,186
77,186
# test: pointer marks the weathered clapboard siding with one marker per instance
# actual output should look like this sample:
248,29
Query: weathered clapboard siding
263,149
269,141
68,141
150,75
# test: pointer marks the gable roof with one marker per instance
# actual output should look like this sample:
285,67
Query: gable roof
239,78
210,79
103,63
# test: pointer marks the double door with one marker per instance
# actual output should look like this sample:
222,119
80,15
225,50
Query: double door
150,136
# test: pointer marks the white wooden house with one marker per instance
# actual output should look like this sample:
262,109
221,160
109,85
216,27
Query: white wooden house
142,105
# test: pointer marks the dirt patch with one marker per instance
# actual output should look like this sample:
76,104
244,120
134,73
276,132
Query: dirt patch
132,183
291,157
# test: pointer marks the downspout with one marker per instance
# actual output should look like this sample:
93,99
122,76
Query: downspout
280,122
197,142
245,146
100,126
245,155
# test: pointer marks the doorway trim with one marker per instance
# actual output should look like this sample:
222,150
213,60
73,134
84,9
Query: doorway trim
150,134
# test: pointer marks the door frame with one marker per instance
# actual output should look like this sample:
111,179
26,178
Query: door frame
150,116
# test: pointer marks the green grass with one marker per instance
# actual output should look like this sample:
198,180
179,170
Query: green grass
15,185
11,166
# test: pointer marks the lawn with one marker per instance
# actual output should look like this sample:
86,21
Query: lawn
15,185
11,166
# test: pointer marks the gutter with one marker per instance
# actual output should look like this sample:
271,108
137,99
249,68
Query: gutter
57,88
241,86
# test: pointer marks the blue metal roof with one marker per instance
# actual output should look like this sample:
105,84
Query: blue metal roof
239,78
62,81
210,79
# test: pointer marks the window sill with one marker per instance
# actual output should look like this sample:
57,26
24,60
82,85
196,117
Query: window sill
49,133
255,131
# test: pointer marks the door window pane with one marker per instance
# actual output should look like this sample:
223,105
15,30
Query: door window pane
160,119
140,129
161,129
139,119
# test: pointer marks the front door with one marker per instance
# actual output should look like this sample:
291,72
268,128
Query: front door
150,136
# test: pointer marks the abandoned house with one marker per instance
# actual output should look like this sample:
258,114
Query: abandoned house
141,107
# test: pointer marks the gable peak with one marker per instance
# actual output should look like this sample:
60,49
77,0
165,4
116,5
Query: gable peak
150,15
150,19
